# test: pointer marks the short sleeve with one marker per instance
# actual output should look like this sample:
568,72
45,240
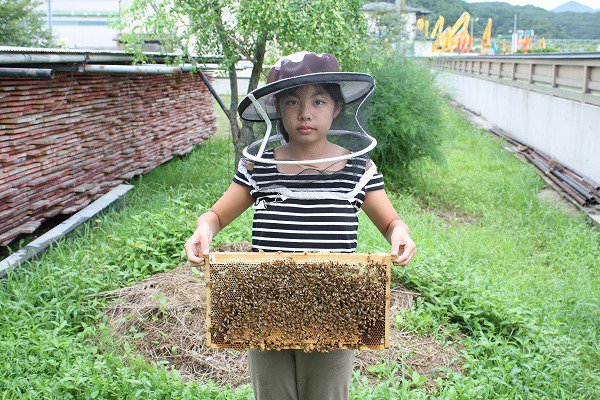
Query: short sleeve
375,183
242,175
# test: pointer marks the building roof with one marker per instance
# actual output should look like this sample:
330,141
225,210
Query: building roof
38,55
56,50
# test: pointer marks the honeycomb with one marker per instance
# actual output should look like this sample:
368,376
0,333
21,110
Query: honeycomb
309,301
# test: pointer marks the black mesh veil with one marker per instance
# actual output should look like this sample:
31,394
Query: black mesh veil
348,131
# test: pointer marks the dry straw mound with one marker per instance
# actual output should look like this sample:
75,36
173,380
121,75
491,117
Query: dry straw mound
164,317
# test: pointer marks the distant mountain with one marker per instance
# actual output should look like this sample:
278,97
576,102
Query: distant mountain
564,25
573,6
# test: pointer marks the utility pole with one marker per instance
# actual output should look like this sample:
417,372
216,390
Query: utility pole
515,38
50,15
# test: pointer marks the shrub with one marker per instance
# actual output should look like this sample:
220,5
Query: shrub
405,117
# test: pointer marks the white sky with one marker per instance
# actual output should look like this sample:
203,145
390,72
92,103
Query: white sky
547,4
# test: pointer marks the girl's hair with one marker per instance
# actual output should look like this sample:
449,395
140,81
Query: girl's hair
332,89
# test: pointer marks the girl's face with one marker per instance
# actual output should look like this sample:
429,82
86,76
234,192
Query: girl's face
307,114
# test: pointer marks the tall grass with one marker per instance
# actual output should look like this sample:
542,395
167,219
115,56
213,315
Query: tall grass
519,285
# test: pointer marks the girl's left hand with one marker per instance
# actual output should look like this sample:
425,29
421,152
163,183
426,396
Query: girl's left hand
403,247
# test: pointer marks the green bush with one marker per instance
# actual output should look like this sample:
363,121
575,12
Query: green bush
405,117
546,50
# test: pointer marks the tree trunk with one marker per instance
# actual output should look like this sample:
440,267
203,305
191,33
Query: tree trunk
257,67
242,135
258,61
237,133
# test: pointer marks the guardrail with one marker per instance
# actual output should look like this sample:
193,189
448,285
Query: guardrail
571,76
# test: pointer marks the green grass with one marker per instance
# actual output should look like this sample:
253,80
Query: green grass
519,285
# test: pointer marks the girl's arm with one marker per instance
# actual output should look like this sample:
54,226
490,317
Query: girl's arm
380,210
234,201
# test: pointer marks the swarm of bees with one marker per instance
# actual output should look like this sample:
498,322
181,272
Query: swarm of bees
287,303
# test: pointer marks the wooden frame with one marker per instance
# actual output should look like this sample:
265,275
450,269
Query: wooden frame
258,257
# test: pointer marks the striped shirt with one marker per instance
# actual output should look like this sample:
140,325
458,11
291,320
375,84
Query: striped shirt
287,223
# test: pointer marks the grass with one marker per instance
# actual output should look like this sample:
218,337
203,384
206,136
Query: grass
519,284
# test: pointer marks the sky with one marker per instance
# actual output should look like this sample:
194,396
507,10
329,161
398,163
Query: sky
547,4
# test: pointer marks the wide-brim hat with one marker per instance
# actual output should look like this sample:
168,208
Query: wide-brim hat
300,69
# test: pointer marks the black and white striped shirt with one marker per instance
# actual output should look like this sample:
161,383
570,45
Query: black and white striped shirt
284,222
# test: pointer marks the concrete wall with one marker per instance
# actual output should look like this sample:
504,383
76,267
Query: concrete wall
567,130
244,71
84,32
82,24
222,87
423,48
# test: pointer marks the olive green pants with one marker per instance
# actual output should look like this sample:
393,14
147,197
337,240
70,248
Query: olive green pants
296,375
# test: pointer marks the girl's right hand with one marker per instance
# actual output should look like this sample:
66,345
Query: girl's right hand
199,243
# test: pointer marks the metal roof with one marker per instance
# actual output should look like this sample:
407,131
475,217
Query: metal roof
51,50
39,55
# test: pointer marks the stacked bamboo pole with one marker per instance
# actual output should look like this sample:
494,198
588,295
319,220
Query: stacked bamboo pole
582,190
65,142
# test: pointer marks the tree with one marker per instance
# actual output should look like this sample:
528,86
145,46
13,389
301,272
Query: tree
237,30
389,30
22,25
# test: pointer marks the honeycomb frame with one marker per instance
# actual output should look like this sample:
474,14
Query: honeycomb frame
224,270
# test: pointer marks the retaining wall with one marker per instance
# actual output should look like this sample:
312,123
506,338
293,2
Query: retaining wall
550,102
565,129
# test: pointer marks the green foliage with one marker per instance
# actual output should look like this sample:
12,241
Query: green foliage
236,30
513,283
397,382
405,117
337,27
462,302
543,22
545,50
21,24
388,32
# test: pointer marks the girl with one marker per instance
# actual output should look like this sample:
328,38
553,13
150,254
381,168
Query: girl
307,193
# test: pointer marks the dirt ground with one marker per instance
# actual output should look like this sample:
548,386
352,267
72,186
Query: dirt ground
449,215
164,318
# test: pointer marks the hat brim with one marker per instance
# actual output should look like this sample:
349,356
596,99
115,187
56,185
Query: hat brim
354,86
